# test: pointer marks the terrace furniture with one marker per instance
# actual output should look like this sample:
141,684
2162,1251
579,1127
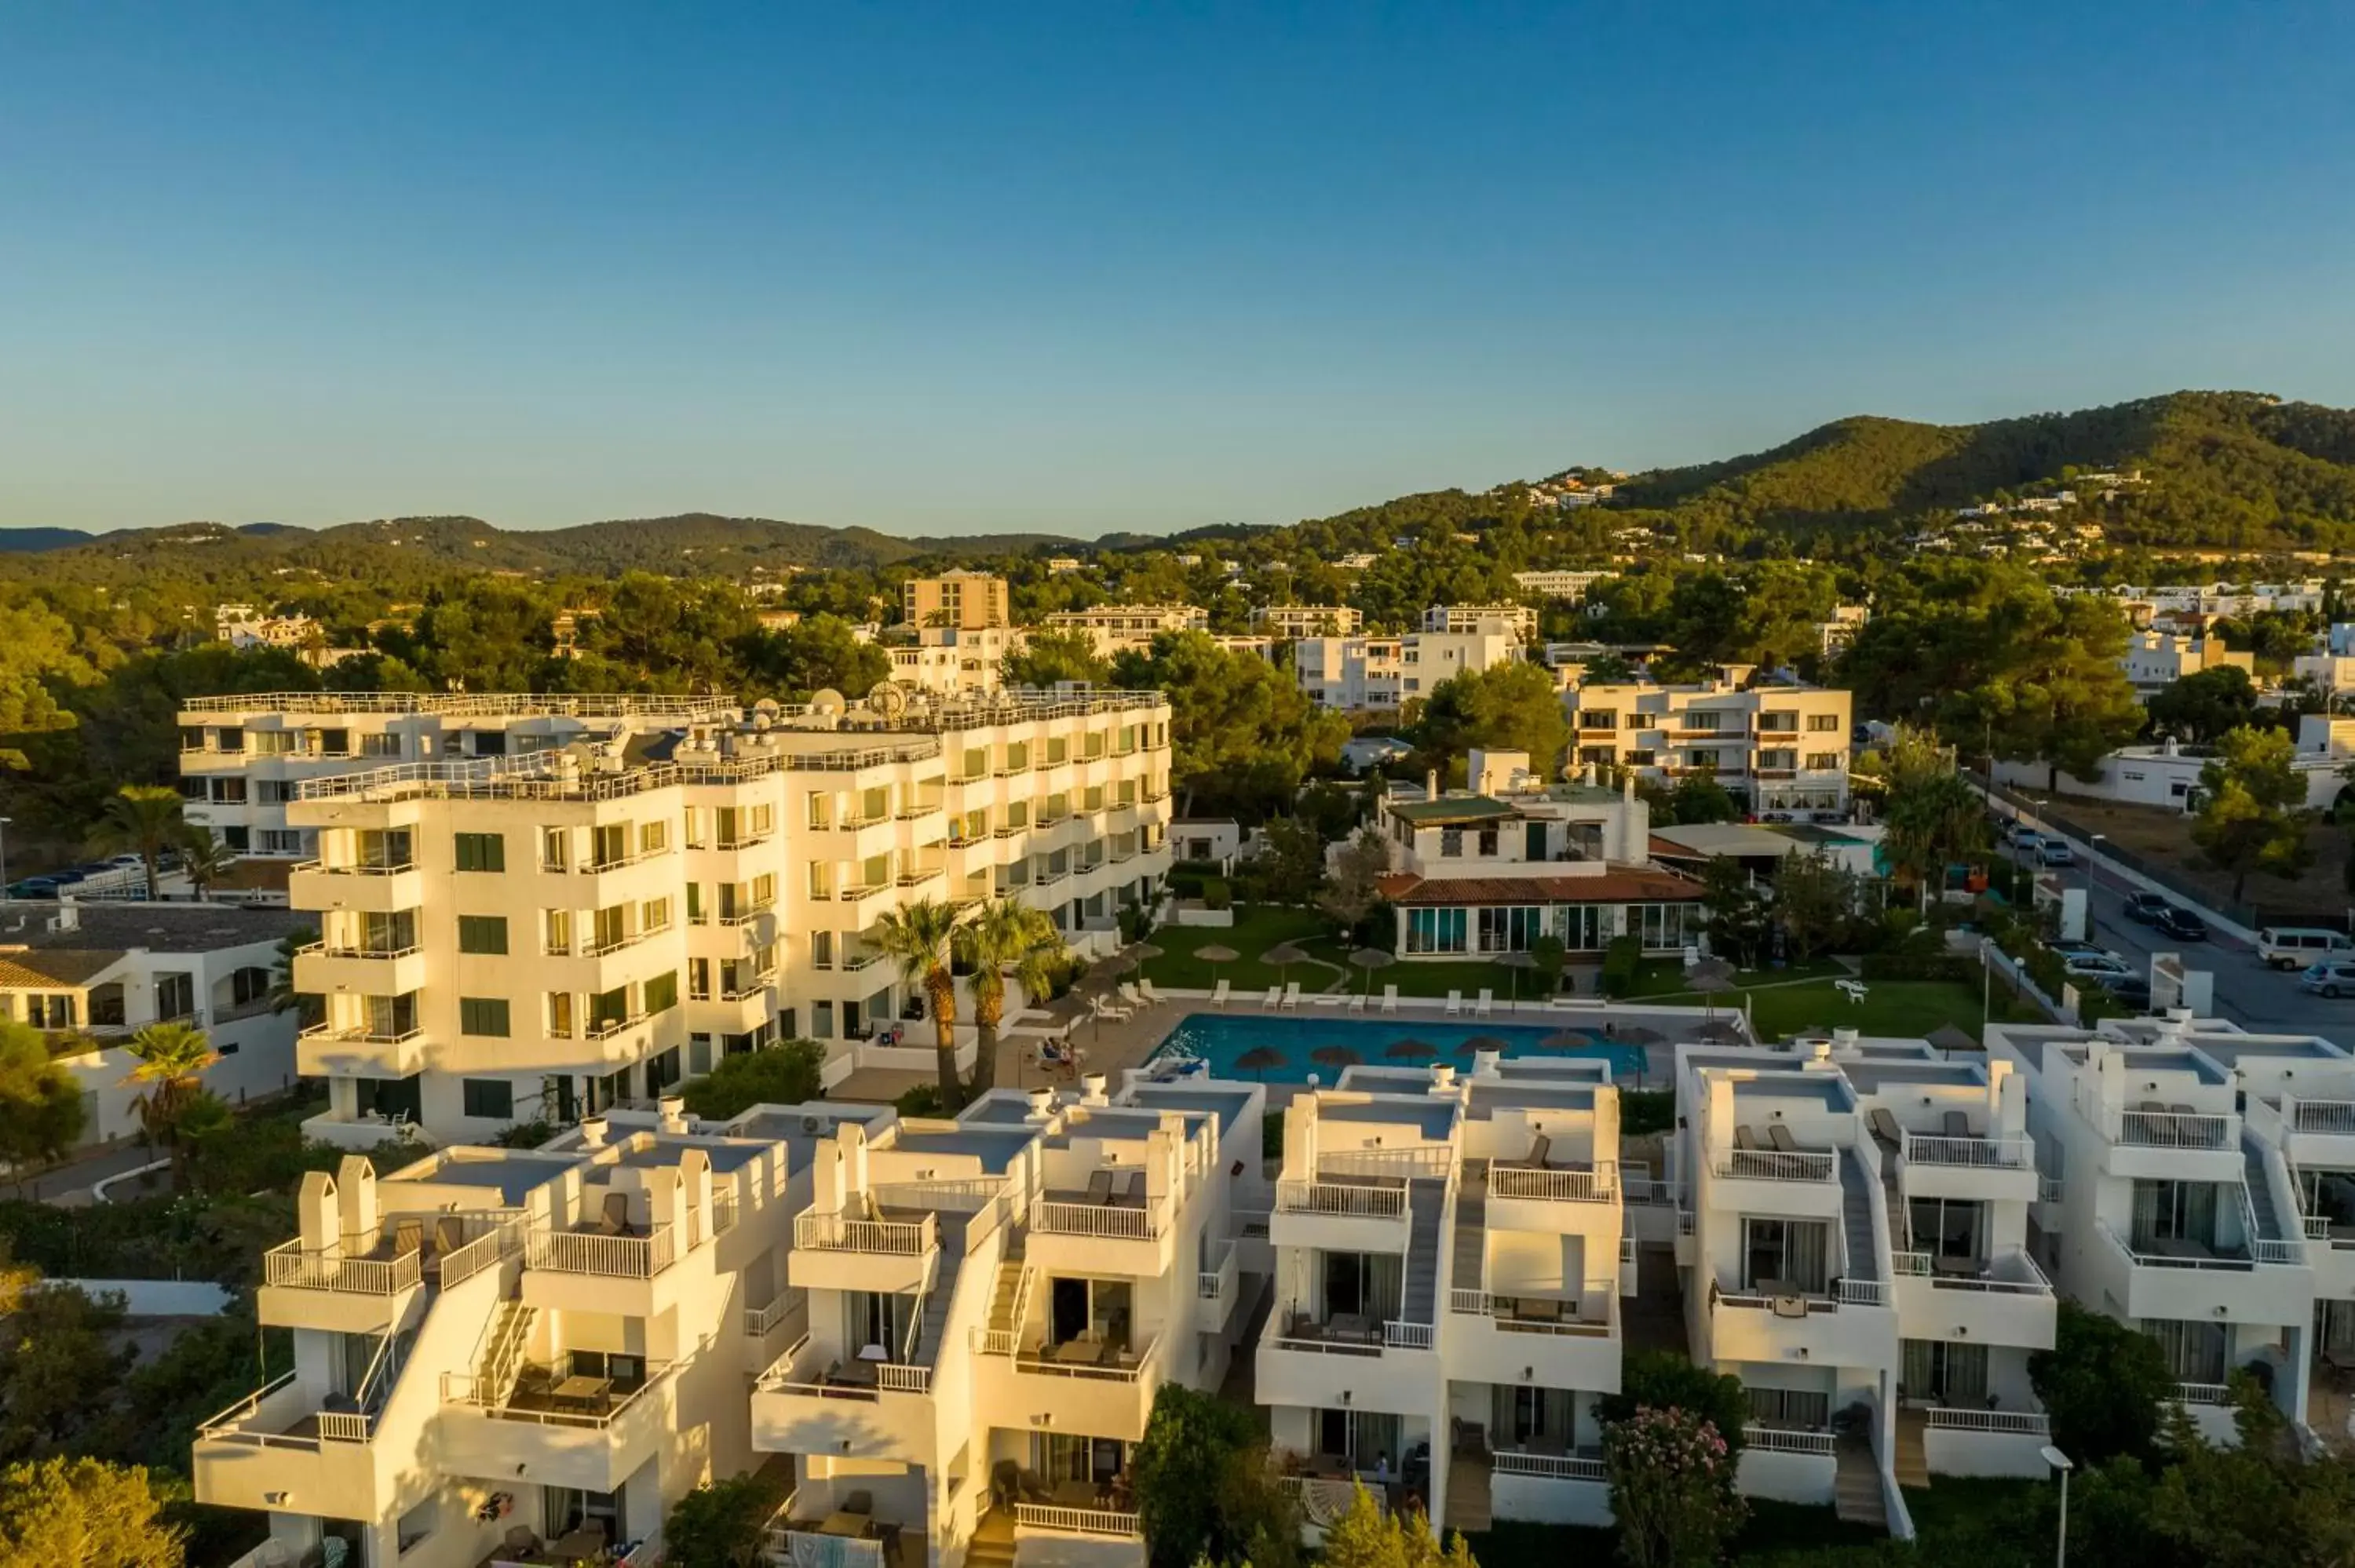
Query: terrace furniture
408,1236
449,1235
843,1523
1273,998
1957,1268
861,1502
1884,1127
1144,988
2181,1111
1389,998
1780,1136
1485,1005
1328,999
1855,990
1291,994
1537,1308
520,1540
1129,995
614,1219
1455,1004
1353,1326
1099,1188
1358,1002
586,1541
1078,1353
1955,1124
1075,1494
1225,990
585,1391
1745,1139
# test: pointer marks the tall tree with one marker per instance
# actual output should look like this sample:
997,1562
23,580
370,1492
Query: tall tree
2203,708
2253,813
1933,816
1242,734
205,860
1048,657
172,1060
84,1513
1512,707
917,937
142,819
1351,892
41,1112
1740,915
1004,936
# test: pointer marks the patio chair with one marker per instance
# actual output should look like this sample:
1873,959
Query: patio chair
1220,997
1955,1124
1745,1139
1780,1136
1855,990
1130,996
1454,1005
1273,998
1100,1188
860,1503
1389,998
615,1221
1144,988
1104,1008
520,1540
1485,1005
449,1235
1291,994
1130,1185
1884,1127
1540,1147
408,1236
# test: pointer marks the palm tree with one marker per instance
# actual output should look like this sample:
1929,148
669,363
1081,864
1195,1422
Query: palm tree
206,860
142,819
283,994
172,1061
1006,935
918,936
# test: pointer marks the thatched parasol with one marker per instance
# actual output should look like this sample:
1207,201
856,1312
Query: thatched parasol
1334,1056
1516,962
1212,954
1949,1037
1370,959
1259,1059
1569,1040
1410,1050
1283,955
1479,1042
1636,1034
1709,976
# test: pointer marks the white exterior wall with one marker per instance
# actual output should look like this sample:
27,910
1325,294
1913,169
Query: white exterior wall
1786,745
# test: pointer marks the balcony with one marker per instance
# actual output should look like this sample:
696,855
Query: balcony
601,1252
281,1441
1779,1165
2181,1279
1543,1184
813,1399
857,1249
359,1049
1563,1340
1838,1321
2004,1300
1996,1170
605,1029
747,914
584,1430
378,889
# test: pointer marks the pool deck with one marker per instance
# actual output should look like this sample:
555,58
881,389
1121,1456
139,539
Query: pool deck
1111,1046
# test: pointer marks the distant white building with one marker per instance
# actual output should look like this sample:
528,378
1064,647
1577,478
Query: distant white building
1308,619
1847,621
1570,587
1785,746
1360,674
1059,565
955,662
2169,773
2156,660
1117,628
1356,561
1518,618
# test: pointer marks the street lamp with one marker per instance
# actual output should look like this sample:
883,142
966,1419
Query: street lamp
2059,1461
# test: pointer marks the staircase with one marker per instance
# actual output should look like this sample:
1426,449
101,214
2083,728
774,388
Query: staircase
1856,1493
1913,1466
1856,1218
1467,1492
1471,1232
1426,1198
1009,1303
2261,1191
992,1545
501,1363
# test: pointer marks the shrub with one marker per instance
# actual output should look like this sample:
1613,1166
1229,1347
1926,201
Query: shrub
924,1099
783,1074
1216,893
721,1525
1623,959
1660,1380
1671,1488
2102,1384
1643,1111
1907,966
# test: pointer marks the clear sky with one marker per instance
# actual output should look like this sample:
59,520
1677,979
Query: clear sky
1099,267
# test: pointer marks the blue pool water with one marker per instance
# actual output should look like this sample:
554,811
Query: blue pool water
1220,1038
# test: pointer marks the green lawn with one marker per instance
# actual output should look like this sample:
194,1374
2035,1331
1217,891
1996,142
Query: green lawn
1666,977
1910,1009
1424,977
1255,930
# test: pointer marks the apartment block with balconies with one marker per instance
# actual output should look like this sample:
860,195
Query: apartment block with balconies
993,1301
534,935
2166,1203
1784,746
509,1355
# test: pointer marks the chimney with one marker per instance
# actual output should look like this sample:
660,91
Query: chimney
1042,1104
1092,1090
1486,1062
1442,1079
1431,785
674,1113
1844,1039
69,915
593,1131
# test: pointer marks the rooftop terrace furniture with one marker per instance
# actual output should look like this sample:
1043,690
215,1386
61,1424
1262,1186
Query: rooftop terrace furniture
1745,1139
1291,994
1884,1126
1540,1147
408,1236
615,1217
449,1235
1099,1187
1485,1005
1274,998
1222,993
1455,1004
1956,1125
1780,1136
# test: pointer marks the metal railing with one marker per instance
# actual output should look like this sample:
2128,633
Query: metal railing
1597,1186
1430,1162
623,1258
292,1266
1130,1368
760,1320
456,1390
2203,1394
1863,1293
2017,1423
1779,1165
1216,1283
2169,1260
2325,1116
1296,1197
2175,1129
1503,1311
2011,1272
833,1231
1549,1467
1078,1521
462,1263
1935,1149
1109,1221
1779,1440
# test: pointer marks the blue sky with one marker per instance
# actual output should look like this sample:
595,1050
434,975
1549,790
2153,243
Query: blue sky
965,268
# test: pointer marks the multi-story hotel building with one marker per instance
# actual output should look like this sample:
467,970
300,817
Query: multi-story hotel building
993,1303
1519,620
1123,628
1566,586
1376,674
1449,1262
958,601
2199,1184
955,662
1785,747
1308,619
520,1356
520,933
1854,1247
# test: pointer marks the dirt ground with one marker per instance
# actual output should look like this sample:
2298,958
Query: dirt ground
2163,836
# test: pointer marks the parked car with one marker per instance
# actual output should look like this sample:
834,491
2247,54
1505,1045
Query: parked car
2022,836
2093,967
2146,907
33,887
2293,946
2133,991
71,874
2080,950
2334,979
2052,851
2183,925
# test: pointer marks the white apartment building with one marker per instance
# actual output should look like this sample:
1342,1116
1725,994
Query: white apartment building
958,601
1841,629
1787,747
1568,587
1121,628
2169,773
993,1303
1450,1256
1519,620
955,662
89,976
1518,857
1855,1245
1376,674
508,938
2156,660
510,1355
2225,598
1308,619
2197,1186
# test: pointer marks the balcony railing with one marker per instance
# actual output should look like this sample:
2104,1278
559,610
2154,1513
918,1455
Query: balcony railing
1078,1521
2179,1254
1779,1165
1780,1440
1925,1149
353,951
1548,1466
362,1034
833,1231
2014,1273
622,1258
294,1266
1348,1199
1597,1186
1588,1316
2013,1422
1098,1362
354,868
748,913
1110,1221
608,1028
2327,1116
2176,1129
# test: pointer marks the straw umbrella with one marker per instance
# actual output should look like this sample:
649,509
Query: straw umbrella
1479,1042
1410,1050
1949,1037
1709,976
1370,959
1517,963
1334,1056
1283,955
1568,1040
1259,1059
1214,955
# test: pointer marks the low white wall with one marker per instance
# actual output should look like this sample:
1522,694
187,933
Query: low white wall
157,1298
1787,1478
1058,1549
262,1063
1194,914
1542,1500
1949,1452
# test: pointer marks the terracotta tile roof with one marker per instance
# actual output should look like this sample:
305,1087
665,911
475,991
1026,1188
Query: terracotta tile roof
1620,884
30,969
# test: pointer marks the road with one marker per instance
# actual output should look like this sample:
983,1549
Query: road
2248,993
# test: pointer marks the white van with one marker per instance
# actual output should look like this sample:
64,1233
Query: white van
2294,947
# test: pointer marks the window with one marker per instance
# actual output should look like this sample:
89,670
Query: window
822,949
275,792
490,742
334,743
1823,761
556,930
1952,1229
419,1521
698,979
1823,724
232,738
821,879
1785,1256
655,914
1948,1372
698,1053
489,1098
821,811
482,852
653,837
1451,843
229,791
482,1015
482,934
610,845
559,1015
662,993
380,746
1793,1409
697,915
555,849
273,743
612,928
662,1070
1436,930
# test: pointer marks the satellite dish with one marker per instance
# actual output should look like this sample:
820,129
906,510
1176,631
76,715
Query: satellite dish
826,700
768,707
887,698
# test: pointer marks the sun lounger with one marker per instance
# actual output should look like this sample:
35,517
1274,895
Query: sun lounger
1144,988
1485,1005
1455,1004
1780,1136
1540,1147
1854,991
1884,1126
408,1236
1358,1002
1389,998
1099,1188
1745,1139
1106,1010
1224,992
1955,1124
1291,994
1274,996
616,1219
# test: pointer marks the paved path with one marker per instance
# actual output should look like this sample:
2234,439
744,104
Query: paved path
68,1185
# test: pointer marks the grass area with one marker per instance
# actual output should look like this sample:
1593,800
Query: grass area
1255,930
1666,977
1423,977
1907,1008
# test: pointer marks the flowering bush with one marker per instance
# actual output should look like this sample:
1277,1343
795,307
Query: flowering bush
1671,1488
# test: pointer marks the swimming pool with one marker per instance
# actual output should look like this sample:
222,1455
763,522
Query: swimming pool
1220,1039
